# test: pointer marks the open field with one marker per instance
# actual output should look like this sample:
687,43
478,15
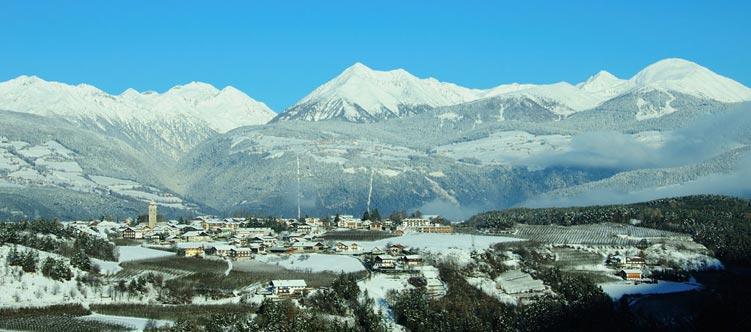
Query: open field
315,262
355,235
593,234
132,253
169,312
173,265
438,242
53,318
569,258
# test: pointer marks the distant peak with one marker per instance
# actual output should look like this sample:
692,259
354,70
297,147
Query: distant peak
27,79
666,70
193,88
358,69
600,81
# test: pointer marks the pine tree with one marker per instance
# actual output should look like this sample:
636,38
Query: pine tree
48,266
81,261
29,261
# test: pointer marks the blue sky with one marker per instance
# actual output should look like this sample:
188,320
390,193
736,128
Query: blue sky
278,51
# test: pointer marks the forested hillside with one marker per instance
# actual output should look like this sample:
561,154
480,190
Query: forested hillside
721,223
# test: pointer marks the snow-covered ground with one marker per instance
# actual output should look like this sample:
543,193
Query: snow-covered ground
439,242
489,287
378,286
507,147
134,253
314,262
135,323
617,289
19,289
107,267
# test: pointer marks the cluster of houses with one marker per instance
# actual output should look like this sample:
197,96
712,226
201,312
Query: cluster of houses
426,224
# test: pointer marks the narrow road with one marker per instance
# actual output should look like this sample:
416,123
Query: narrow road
229,267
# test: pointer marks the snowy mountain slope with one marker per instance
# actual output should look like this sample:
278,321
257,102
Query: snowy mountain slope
50,167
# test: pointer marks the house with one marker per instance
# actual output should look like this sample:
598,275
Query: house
241,253
132,233
268,241
189,250
435,228
303,228
195,236
396,249
384,262
257,248
317,222
412,260
343,247
223,250
281,250
630,274
376,226
415,222
307,246
348,221
288,287
635,262
250,232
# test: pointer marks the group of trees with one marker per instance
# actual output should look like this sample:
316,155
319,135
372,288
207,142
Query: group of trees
56,269
27,260
345,298
52,236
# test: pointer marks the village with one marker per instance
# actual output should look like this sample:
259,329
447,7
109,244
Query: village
287,240
237,239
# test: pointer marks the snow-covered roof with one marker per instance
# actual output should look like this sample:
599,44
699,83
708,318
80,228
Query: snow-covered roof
289,283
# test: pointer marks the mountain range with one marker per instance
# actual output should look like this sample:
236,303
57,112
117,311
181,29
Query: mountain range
76,151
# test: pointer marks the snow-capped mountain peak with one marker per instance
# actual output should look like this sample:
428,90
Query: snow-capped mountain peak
362,94
601,81
195,102
690,78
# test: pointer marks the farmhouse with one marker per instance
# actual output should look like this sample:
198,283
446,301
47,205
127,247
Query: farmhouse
307,246
288,287
132,233
415,222
348,221
635,262
343,247
240,252
195,236
412,260
190,250
384,262
630,274
396,249
376,226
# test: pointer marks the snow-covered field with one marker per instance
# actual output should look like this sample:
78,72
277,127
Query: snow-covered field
439,242
489,287
135,323
314,262
19,289
379,285
619,288
507,147
134,253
